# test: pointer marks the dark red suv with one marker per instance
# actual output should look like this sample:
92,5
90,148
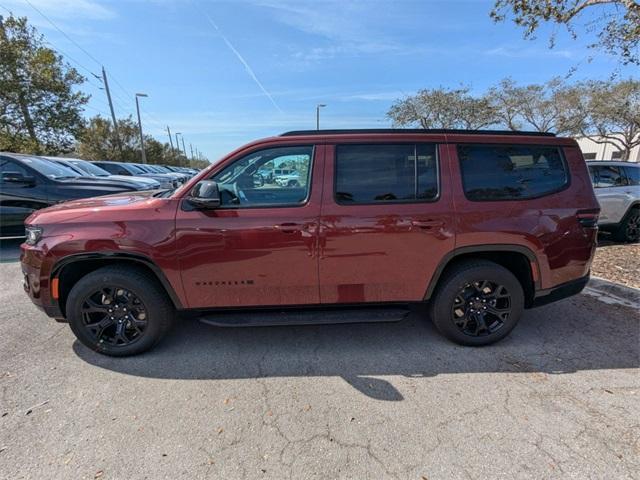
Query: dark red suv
362,224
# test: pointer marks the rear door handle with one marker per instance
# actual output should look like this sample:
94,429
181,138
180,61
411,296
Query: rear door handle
288,227
427,224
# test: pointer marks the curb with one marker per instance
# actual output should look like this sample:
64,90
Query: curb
613,293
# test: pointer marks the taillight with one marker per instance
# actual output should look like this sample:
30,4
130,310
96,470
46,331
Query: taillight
588,218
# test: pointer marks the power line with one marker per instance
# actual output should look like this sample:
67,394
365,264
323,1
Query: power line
63,33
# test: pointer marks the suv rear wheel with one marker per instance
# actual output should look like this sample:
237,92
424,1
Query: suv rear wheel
477,303
629,229
118,311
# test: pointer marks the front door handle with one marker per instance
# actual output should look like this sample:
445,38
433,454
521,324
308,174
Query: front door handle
288,227
427,224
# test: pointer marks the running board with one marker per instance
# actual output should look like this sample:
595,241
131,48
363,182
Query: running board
303,317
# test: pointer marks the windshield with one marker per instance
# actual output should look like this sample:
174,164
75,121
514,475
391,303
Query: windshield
49,168
89,168
133,168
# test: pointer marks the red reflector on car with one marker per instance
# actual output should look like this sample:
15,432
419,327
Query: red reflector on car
54,289
588,217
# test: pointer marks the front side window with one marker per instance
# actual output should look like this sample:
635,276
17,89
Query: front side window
9,168
500,172
382,173
607,176
273,177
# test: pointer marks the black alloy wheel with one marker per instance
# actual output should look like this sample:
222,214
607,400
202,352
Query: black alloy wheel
115,316
119,310
481,308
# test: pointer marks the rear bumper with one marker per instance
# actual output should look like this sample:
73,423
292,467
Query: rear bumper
559,292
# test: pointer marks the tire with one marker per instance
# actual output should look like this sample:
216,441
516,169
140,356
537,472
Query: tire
629,228
473,294
123,303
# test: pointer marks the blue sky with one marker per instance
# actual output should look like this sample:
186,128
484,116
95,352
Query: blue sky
227,72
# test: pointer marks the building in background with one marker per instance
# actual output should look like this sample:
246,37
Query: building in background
604,151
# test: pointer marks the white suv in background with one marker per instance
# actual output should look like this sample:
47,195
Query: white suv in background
617,187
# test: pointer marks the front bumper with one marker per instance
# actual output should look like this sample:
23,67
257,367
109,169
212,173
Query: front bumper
36,285
560,292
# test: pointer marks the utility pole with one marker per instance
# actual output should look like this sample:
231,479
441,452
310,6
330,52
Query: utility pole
191,147
170,140
178,145
185,151
144,155
113,114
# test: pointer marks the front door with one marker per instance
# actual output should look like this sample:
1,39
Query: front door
259,248
22,192
386,222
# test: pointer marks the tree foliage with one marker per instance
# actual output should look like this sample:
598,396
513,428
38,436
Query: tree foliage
97,142
613,114
549,107
39,110
609,111
617,22
443,108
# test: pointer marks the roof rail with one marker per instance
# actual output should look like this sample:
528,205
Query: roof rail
414,130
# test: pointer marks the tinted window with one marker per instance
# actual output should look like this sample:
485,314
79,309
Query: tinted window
633,175
386,173
498,172
589,156
9,167
90,168
606,176
241,185
49,168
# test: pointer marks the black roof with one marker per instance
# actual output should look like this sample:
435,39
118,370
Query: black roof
415,130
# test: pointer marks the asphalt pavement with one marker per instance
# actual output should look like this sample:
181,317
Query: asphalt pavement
558,398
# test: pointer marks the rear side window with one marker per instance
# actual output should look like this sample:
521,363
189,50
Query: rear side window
383,173
633,175
511,172
607,176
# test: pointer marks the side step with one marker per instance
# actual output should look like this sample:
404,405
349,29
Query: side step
314,316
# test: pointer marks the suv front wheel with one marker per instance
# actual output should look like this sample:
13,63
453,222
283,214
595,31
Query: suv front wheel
118,311
477,303
629,229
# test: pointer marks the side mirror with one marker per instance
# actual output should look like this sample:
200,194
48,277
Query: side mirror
17,177
205,195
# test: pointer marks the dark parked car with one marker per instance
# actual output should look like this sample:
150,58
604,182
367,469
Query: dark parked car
478,226
29,183
180,177
88,169
105,180
129,169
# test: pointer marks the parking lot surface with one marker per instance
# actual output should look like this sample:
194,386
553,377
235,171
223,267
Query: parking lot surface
559,398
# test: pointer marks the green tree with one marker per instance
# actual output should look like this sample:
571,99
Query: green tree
549,107
97,142
39,110
617,22
443,108
613,114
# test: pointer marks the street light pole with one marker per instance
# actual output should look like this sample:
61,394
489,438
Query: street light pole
178,144
144,155
318,107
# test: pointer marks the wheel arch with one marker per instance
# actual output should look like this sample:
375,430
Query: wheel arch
69,270
518,259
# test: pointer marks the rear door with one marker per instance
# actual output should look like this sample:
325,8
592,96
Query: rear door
386,222
612,190
259,247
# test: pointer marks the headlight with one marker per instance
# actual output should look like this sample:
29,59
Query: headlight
33,235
